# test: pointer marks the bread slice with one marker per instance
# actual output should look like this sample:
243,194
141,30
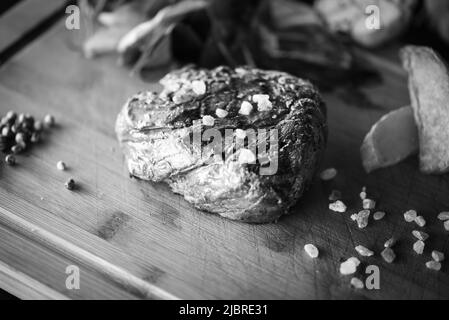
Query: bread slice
429,92
392,139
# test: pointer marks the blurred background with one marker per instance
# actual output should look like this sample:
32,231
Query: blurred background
314,39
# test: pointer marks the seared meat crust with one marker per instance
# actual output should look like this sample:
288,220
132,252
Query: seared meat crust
155,131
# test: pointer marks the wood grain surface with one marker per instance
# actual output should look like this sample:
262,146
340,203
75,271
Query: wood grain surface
23,17
133,239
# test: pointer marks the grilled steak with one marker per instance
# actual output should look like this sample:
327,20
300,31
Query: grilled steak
157,134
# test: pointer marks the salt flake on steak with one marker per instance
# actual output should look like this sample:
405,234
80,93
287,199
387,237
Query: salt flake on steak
246,108
263,102
199,87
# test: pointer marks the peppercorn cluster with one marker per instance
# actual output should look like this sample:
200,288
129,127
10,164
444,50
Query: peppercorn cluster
19,131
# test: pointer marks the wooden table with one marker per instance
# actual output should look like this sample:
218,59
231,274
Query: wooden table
132,239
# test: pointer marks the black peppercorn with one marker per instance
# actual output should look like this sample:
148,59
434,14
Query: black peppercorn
21,118
49,121
38,126
70,184
11,116
16,149
35,137
20,138
6,132
10,160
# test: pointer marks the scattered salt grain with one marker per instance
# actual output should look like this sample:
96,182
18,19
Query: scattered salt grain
349,266
364,252
361,218
438,256
420,235
199,87
419,246
338,206
241,134
263,102
311,250
388,255
446,225
61,166
328,174
246,108
369,204
335,195
357,283
420,221
208,121
379,215
363,194
410,215
433,265
221,113
246,156
390,243
443,216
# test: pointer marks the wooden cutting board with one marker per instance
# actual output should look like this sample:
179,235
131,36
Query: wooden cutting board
133,239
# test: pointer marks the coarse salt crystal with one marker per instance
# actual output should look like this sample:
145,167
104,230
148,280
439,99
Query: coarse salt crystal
438,256
369,204
420,235
335,195
338,206
241,134
433,265
246,156
390,243
363,194
379,215
443,216
420,221
349,266
263,102
199,87
246,108
362,218
60,165
410,215
221,113
355,260
419,246
328,174
388,255
357,283
364,252
311,250
208,121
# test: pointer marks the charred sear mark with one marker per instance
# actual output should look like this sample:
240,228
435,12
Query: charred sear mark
108,230
153,274
167,215
279,240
